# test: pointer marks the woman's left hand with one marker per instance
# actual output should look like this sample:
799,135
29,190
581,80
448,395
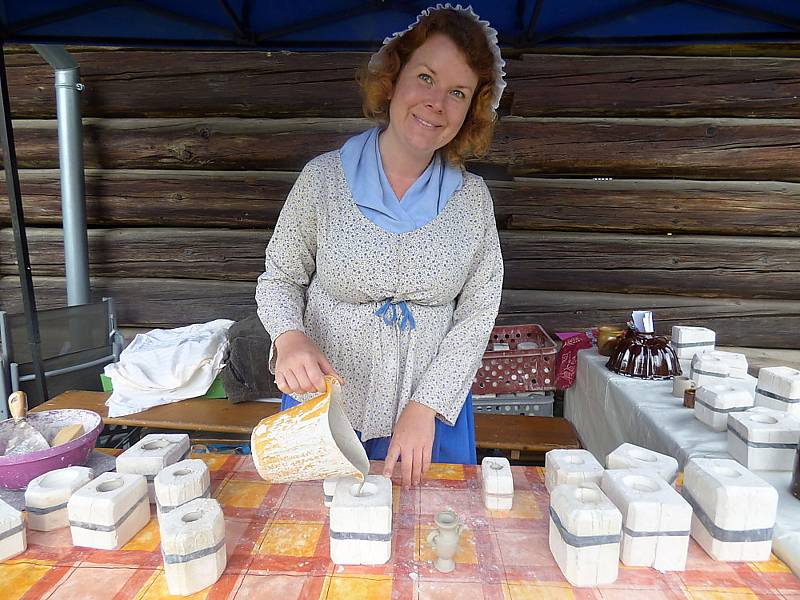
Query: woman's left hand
412,443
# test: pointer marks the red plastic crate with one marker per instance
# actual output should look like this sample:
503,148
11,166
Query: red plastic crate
517,370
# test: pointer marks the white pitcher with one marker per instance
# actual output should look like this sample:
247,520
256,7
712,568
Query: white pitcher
312,440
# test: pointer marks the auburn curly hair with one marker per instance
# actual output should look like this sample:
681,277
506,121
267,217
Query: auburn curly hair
475,135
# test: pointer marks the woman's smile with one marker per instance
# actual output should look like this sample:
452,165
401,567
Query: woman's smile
424,123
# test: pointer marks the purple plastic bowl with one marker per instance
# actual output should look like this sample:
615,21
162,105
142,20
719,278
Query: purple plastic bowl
17,470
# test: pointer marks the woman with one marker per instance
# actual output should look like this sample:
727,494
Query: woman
384,268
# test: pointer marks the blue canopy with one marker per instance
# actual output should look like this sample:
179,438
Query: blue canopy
358,25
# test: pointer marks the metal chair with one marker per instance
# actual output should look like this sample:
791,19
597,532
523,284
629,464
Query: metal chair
76,343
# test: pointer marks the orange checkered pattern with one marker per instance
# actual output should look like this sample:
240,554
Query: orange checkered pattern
278,547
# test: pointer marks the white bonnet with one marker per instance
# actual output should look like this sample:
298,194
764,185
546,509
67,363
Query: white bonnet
491,36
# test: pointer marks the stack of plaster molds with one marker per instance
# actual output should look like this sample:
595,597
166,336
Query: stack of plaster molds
180,483
688,341
12,532
763,439
193,545
585,530
779,388
714,367
629,456
47,495
361,522
734,510
498,483
713,404
571,467
655,519
151,454
107,512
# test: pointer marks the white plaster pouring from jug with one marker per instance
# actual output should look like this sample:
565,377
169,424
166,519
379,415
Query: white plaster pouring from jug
312,440
329,487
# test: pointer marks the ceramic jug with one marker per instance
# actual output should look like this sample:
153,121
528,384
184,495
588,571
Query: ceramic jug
444,540
312,440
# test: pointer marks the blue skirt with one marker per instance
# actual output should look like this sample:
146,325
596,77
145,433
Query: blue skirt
451,444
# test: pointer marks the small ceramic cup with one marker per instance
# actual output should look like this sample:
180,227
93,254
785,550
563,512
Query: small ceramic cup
680,384
444,540
688,397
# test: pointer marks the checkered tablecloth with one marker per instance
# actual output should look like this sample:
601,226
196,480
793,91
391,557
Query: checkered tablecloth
278,547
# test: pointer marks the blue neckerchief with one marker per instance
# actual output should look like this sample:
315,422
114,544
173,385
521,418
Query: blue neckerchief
375,198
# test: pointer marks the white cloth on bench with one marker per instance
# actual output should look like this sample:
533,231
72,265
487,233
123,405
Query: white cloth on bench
167,365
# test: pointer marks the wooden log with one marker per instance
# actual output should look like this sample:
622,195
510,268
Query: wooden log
719,266
254,199
147,83
222,254
690,148
654,86
158,197
648,206
146,302
208,144
176,302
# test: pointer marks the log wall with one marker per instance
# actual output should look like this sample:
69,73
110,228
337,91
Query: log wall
620,182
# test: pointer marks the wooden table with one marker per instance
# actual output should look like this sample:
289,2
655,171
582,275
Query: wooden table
528,436
195,414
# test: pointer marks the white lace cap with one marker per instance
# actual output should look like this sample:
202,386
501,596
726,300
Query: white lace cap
491,37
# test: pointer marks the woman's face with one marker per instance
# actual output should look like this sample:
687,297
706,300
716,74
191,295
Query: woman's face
431,97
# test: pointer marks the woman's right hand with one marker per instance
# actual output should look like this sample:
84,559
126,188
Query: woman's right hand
300,366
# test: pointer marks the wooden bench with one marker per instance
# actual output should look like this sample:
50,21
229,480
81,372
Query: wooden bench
528,437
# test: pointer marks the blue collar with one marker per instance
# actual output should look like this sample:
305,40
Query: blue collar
374,196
